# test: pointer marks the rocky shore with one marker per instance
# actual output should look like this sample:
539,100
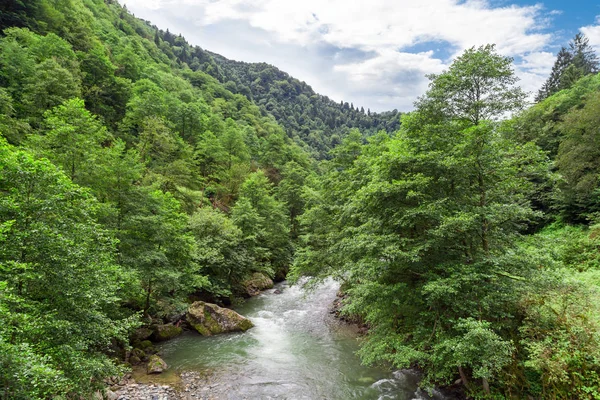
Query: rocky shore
188,386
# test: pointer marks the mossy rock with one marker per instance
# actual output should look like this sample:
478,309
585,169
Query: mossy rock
146,344
165,332
156,365
134,360
210,319
139,353
257,282
142,334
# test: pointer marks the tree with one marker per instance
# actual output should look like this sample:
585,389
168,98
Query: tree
59,284
578,161
233,143
479,85
49,86
584,56
571,64
73,141
552,85
272,232
154,243
289,191
219,250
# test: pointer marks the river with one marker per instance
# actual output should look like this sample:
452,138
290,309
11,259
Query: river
297,350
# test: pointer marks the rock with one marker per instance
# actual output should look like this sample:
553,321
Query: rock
146,344
110,395
142,333
138,353
165,332
156,365
257,282
134,360
209,319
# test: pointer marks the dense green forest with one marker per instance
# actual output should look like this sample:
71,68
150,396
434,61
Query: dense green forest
138,172
467,243
314,121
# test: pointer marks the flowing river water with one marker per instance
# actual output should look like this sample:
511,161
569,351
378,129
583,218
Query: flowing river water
297,350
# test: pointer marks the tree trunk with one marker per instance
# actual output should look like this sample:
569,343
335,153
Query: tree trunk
486,386
463,377
148,291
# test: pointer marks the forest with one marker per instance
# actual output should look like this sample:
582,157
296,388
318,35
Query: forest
139,172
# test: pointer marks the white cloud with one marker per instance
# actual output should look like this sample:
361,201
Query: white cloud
384,29
593,33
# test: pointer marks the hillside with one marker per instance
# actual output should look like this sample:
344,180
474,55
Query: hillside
129,182
312,120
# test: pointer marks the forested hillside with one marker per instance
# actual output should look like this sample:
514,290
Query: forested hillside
312,120
128,182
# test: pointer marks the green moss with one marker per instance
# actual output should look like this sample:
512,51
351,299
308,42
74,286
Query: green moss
211,323
166,332
201,329
146,344
245,324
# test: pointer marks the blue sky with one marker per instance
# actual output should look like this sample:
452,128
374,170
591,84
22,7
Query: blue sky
376,54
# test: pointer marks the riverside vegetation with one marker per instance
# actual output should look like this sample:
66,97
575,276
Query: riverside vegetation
139,174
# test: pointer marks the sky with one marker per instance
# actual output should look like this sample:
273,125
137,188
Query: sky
377,53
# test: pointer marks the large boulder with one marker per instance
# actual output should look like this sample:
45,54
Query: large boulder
209,319
142,334
257,282
165,332
156,365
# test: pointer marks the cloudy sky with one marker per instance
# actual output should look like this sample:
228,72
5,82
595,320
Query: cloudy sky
376,53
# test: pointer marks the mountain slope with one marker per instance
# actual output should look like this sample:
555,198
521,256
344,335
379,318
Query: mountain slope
311,119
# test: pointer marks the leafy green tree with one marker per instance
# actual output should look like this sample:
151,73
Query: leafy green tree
58,284
427,218
479,85
105,94
272,232
219,250
154,243
289,191
251,224
233,144
12,128
73,141
49,86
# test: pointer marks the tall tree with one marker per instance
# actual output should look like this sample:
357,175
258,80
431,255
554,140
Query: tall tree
479,85
572,63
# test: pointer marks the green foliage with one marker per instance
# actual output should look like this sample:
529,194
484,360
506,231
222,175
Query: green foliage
423,228
114,218
163,174
479,85
154,242
571,64
220,250
59,283
263,221
312,120
578,160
